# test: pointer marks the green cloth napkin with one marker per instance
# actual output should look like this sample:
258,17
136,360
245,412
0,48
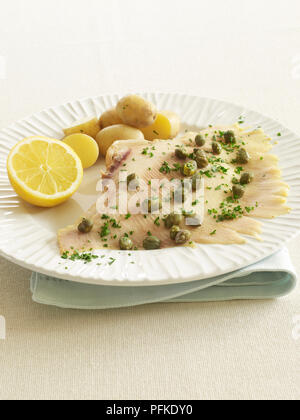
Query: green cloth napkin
271,278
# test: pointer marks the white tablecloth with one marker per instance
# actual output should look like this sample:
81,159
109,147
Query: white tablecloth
59,50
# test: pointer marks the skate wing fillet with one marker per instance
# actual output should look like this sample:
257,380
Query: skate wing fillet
224,220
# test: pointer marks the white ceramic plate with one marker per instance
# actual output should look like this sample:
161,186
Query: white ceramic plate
28,234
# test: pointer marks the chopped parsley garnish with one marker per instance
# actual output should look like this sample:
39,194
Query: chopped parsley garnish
214,159
86,257
105,231
177,167
229,213
157,221
239,170
115,225
230,209
165,168
212,211
207,173
221,169
146,152
230,148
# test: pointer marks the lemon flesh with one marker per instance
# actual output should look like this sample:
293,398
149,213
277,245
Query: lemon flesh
86,148
43,171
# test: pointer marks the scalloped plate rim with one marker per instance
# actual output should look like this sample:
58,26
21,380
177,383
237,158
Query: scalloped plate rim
148,282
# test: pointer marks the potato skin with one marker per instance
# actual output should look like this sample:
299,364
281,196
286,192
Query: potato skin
89,127
106,137
109,118
136,111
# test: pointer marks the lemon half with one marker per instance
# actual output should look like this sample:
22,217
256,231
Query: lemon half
43,171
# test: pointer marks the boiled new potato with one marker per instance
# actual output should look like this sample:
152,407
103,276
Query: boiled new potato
110,118
166,126
86,148
106,137
87,126
136,111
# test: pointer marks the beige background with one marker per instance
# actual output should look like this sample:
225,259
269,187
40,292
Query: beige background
58,50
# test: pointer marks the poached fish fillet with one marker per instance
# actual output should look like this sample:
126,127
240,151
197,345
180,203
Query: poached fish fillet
225,218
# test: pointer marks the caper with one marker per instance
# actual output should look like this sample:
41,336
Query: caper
196,181
126,244
193,220
242,156
133,180
189,168
238,191
229,137
201,159
235,180
151,243
173,232
182,237
174,219
181,153
199,140
216,148
85,226
246,178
